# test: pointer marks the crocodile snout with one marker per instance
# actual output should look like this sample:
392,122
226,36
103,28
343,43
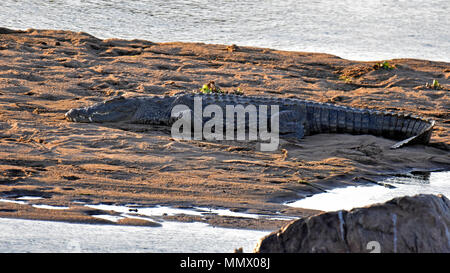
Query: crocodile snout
77,115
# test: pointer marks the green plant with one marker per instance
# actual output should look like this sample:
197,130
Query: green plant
434,85
346,79
238,91
384,65
210,88
205,89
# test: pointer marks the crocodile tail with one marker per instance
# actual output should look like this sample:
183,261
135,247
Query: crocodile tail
408,128
423,136
328,118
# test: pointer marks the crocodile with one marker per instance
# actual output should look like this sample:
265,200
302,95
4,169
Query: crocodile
297,118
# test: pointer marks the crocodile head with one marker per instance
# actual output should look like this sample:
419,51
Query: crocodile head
113,110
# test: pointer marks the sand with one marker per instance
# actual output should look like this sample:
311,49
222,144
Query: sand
44,73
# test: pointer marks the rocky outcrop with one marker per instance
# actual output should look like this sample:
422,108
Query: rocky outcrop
412,224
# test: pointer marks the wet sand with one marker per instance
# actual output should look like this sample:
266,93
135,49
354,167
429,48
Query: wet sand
44,73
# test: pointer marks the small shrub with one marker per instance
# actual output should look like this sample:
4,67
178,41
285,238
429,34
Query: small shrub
384,65
346,79
238,91
434,85
210,88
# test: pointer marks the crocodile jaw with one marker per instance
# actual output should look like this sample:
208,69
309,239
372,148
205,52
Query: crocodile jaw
77,115
113,110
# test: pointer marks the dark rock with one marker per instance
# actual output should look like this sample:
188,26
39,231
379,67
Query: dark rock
70,177
409,224
4,30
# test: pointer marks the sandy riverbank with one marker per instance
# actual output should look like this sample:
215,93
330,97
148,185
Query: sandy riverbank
43,73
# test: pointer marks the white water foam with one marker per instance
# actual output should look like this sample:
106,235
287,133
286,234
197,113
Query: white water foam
358,196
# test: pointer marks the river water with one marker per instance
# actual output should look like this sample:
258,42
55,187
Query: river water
359,30
18,235
358,196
